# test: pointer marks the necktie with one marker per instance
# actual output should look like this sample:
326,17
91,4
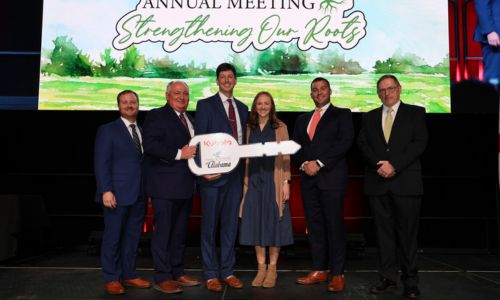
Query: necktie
388,125
184,122
314,123
137,142
232,119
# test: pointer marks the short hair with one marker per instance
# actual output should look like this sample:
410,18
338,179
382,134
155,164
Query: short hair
225,67
320,79
388,76
126,92
169,85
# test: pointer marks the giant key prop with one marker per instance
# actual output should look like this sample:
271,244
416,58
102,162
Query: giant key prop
220,152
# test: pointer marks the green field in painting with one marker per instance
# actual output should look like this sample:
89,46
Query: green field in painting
291,92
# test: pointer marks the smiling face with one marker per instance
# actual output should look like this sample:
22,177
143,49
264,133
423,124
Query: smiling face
389,91
178,96
128,105
263,106
320,93
226,82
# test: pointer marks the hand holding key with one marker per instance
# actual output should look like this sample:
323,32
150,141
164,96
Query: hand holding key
220,152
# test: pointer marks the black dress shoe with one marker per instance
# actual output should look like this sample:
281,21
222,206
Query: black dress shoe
411,292
383,286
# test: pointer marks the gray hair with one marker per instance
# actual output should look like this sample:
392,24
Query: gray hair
174,82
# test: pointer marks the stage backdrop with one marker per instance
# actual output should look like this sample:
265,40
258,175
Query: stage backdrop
93,49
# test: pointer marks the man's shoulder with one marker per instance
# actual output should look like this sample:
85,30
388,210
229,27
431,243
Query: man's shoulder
209,99
412,108
111,125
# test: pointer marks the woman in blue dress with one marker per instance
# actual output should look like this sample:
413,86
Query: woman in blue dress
264,212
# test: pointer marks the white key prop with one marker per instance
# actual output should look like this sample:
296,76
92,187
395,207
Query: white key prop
220,152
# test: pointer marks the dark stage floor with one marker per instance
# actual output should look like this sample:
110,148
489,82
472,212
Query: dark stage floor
76,275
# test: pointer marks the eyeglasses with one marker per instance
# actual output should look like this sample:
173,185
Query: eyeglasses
390,89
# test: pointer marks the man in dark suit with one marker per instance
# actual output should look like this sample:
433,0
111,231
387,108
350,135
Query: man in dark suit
326,134
392,139
487,33
170,184
221,193
118,171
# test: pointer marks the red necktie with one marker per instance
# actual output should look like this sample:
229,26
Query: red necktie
184,122
232,119
314,123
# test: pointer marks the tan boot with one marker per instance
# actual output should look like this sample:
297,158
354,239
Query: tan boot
261,275
271,276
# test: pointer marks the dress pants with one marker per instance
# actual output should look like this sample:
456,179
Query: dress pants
324,212
122,232
396,221
220,207
171,217
491,61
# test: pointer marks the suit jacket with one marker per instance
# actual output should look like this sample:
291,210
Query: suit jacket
211,117
164,135
117,166
488,13
406,144
332,139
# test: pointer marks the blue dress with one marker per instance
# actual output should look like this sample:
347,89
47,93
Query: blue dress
261,224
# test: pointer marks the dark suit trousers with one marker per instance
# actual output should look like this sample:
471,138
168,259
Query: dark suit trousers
491,61
396,225
171,218
220,206
324,212
122,232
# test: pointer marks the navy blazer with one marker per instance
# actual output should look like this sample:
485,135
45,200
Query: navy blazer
488,13
164,135
118,167
332,139
211,117
407,143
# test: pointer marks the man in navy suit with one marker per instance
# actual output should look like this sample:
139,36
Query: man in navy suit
170,184
326,134
392,139
221,193
118,171
487,33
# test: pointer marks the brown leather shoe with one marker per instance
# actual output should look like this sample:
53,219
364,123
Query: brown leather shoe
313,277
213,285
185,280
233,282
137,282
168,287
115,288
337,284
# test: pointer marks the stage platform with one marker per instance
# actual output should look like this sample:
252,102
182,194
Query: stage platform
75,274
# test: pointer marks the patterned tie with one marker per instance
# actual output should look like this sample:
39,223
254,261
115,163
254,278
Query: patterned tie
314,123
184,122
388,125
137,142
232,119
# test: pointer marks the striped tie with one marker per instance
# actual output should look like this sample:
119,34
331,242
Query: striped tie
137,142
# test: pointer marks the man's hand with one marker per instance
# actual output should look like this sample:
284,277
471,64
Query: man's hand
385,169
311,168
212,177
493,39
188,152
109,200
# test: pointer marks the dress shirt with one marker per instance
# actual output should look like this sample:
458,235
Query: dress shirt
238,123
